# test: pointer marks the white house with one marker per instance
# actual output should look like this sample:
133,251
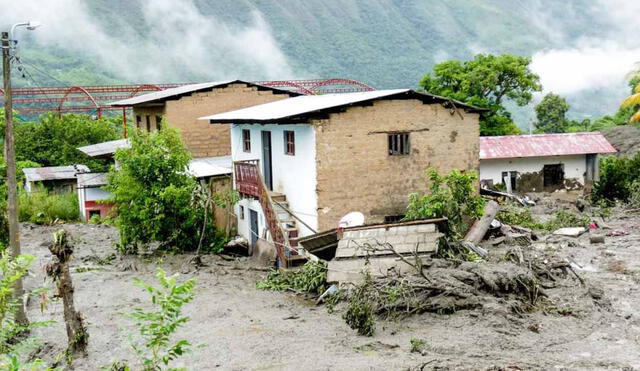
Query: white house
542,162
302,163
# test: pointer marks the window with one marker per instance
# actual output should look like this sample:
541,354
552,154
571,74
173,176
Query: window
246,140
289,143
138,121
148,123
158,123
399,144
241,212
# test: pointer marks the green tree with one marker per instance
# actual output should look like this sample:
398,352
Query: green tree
487,81
551,113
153,195
53,141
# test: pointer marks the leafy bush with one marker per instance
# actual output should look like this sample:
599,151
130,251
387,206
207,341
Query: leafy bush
311,278
156,327
617,174
519,216
43,207
14,347
418,345
564,219
453,196
360,314
153,195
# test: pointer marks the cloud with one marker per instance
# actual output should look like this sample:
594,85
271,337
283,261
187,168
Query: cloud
178,42
595,65
594,62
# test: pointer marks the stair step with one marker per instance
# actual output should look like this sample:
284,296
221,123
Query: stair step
287,220
290,229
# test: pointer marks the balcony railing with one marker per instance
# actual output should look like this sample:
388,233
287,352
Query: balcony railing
247,178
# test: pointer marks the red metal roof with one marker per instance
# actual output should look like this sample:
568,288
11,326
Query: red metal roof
540,145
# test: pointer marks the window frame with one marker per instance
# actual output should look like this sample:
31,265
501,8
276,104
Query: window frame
241,212
246,140
289,142
399,144
148,122
138,121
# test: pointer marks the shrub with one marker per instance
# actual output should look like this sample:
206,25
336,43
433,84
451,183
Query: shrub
15,349
153,195
360,314
418,345
43,207
564,219
617,175
519,216
155,346
453,196
311,278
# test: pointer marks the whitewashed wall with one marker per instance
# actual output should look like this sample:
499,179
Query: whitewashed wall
294,176
574,166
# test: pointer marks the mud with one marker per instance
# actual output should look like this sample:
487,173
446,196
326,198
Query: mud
625,138
590,326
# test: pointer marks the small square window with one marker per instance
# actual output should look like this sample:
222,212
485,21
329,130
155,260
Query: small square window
289,143
398,144
241,212
246,140
158,123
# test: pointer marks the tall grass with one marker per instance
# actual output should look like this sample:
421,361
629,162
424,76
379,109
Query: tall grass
43,207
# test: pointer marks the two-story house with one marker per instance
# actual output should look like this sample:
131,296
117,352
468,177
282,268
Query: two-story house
304,162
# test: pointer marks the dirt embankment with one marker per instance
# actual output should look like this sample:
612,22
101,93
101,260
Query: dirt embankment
626,138
590,326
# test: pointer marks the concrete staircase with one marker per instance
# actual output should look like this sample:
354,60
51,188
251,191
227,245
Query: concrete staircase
289,226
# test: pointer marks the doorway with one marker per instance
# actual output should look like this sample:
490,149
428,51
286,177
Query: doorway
266,160
253,228
553,175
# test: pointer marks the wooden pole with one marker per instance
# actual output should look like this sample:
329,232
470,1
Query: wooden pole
12,187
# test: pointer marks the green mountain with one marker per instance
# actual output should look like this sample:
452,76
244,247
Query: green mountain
385,43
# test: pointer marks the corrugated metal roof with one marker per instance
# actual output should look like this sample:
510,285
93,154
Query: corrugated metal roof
210,166
540,145
38,174
163,95
89,180
298,107
105,148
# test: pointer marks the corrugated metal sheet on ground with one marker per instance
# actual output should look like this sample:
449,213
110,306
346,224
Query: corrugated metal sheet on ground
306,104
54,172
105,148
541,145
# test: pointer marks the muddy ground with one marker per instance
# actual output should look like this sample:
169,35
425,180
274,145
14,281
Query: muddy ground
241,327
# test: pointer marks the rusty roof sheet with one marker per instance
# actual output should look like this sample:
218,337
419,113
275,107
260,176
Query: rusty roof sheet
541,145
38,174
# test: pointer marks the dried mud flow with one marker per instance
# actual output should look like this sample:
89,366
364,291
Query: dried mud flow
595,325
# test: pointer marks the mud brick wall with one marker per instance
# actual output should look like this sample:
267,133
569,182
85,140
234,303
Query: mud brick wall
355,171
403,238
200,137
143,113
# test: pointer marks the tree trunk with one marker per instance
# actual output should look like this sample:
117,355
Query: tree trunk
480,227
59,270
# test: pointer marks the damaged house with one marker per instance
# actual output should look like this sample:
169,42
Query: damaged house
542,162
302,163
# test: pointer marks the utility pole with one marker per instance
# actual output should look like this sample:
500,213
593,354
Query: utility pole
12,187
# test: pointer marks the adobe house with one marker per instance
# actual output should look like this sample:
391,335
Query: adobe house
56,179
542,162
303,163
182,106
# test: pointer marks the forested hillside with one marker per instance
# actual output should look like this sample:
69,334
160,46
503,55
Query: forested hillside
386,43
